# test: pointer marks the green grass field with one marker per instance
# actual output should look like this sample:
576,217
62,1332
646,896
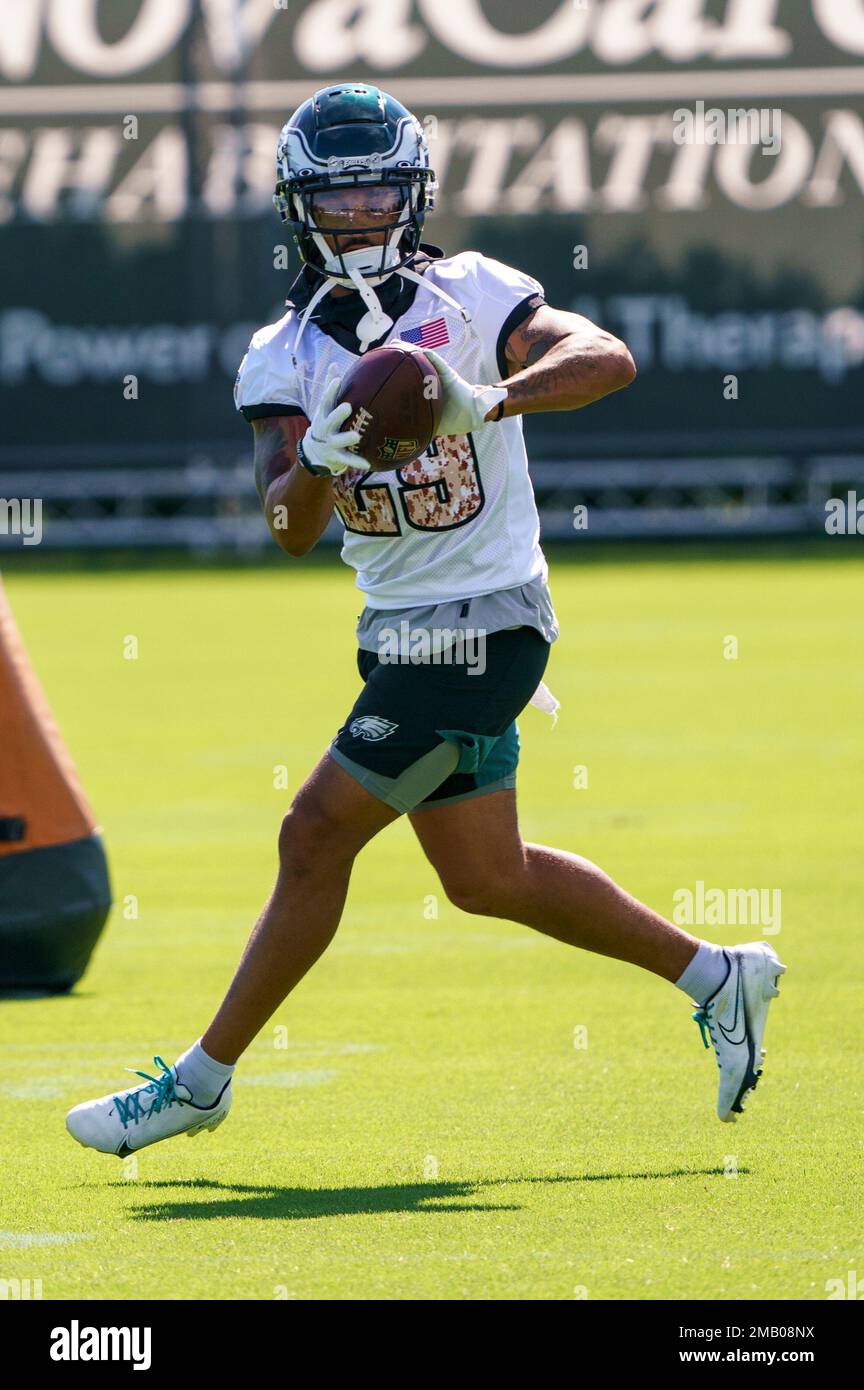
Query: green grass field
427,1129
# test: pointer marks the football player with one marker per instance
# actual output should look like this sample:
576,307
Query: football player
444,546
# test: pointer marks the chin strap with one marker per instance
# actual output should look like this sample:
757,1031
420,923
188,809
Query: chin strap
434,289
374,323
323,288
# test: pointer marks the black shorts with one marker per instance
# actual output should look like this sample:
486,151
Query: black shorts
429,732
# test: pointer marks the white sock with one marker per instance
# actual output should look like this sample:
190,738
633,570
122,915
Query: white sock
705,973
204,1076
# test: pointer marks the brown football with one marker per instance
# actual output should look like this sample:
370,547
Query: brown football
396,404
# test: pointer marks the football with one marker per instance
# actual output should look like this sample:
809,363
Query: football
396,404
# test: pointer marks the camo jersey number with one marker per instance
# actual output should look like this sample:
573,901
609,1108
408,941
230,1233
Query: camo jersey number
437,492
365,507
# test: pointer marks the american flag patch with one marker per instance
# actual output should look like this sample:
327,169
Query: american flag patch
433,334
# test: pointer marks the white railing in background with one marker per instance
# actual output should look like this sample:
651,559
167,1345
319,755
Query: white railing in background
210,506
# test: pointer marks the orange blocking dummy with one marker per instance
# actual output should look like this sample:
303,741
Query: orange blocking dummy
55,893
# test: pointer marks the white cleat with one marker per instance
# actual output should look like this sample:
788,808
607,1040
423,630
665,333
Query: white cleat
734,1021
130,1120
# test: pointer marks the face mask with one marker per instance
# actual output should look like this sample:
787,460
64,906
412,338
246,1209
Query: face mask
364,260
360,265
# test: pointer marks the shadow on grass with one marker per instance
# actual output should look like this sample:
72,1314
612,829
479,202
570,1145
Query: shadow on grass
306,1203
12,996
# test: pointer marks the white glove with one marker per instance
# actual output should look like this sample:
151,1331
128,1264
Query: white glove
323,448
465,406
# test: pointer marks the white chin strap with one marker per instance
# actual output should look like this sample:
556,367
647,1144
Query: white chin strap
374,323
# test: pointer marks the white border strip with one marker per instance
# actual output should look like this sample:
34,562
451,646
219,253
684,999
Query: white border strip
437,92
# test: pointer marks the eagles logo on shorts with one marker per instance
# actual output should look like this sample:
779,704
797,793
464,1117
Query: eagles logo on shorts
371,727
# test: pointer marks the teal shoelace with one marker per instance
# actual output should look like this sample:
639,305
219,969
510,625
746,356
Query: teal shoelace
701,1017
131,1105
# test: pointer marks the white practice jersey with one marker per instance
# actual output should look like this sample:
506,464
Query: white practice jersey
461,520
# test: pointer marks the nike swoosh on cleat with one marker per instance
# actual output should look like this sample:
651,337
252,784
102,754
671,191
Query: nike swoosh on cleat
727,1032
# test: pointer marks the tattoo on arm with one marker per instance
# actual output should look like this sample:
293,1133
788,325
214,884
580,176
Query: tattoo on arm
296,505
275,448
562,361
528,344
